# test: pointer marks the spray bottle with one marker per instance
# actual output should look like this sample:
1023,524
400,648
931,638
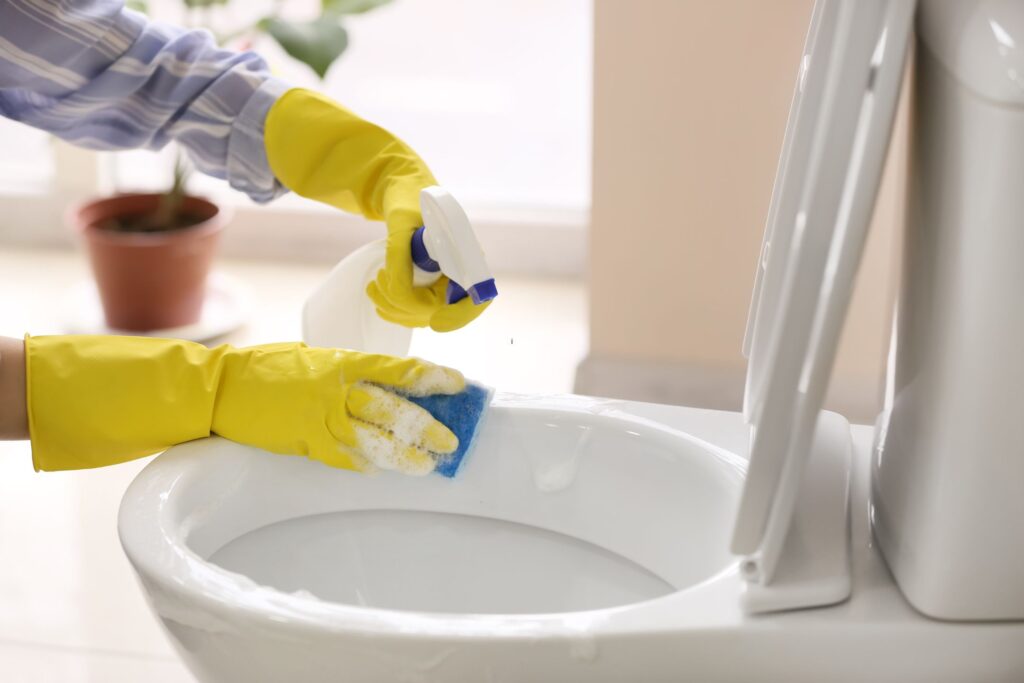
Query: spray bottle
339,314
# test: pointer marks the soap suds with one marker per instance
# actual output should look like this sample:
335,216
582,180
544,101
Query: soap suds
437,379
387,452
410,421
392,432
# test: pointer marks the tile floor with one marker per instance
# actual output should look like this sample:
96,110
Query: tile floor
70,610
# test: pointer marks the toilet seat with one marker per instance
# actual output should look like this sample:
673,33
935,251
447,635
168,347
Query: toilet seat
792,525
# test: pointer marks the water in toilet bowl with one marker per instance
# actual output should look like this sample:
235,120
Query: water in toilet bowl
437,562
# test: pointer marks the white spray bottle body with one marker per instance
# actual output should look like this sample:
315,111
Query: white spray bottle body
339,314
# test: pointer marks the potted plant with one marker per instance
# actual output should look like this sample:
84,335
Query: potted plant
151,252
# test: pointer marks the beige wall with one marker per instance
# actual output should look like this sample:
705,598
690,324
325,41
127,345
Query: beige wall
690,104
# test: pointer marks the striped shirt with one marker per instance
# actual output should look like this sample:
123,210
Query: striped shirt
102,76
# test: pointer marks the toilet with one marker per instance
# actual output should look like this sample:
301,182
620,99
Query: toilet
593,540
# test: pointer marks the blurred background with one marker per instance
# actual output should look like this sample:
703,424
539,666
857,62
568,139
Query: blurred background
616,158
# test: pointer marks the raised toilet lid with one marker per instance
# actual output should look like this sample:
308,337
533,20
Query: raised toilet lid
828,176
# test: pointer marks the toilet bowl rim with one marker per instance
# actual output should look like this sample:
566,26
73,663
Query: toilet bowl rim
162,556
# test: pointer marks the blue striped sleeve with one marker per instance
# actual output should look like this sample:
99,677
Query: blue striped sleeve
101,76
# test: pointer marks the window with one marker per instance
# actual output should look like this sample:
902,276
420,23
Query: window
26,160
494,94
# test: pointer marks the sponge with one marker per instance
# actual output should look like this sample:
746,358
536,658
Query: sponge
463,413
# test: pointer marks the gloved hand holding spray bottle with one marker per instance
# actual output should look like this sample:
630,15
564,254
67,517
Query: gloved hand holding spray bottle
339,314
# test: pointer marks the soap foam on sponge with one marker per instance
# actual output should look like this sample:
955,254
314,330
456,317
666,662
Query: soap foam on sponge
462,413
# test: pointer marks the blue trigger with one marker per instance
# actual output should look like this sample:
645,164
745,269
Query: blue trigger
420,255
455,292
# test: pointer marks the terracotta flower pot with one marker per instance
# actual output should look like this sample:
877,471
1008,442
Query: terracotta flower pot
149,280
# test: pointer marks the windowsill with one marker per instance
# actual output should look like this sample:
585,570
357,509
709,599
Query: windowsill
523,240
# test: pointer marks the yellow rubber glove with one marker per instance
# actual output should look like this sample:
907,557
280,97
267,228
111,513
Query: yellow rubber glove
95,401
320,150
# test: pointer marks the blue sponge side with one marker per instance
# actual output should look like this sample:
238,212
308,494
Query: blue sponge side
462,413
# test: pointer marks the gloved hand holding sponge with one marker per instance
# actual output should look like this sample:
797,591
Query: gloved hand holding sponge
95,401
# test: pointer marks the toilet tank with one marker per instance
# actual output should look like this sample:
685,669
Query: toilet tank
948,469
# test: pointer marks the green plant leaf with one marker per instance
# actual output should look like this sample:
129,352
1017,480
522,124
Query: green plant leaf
339,7
138,5
315,43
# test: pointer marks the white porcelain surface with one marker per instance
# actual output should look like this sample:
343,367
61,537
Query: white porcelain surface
403,561
230,629
548,480
812,564
949,473
979,44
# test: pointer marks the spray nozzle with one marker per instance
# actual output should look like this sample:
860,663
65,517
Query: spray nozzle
446,244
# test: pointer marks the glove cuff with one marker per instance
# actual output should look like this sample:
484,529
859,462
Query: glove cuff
321,150
95,400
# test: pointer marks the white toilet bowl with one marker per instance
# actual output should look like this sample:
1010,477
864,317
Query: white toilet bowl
549,543
584,540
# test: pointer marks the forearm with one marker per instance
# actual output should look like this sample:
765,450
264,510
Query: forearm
104,77
13,416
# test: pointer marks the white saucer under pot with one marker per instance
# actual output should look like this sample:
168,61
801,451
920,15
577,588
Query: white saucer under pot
226,308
